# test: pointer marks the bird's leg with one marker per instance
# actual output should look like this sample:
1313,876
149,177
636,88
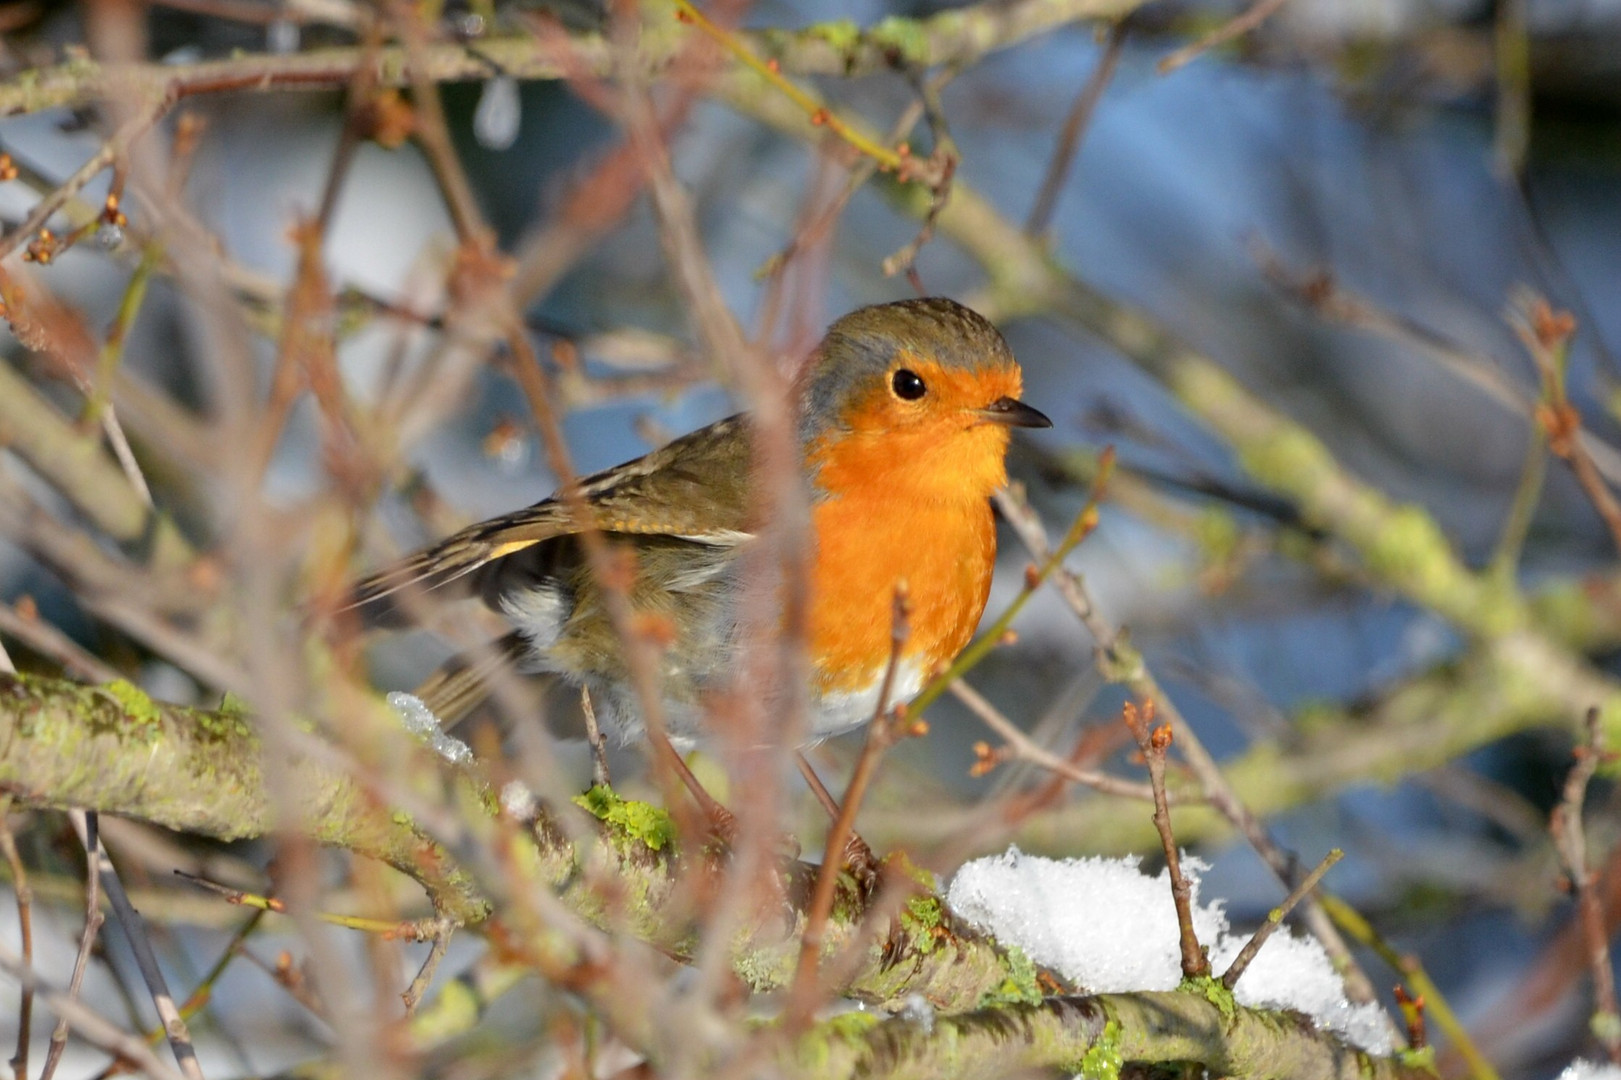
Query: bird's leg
857,856
721,820
593,735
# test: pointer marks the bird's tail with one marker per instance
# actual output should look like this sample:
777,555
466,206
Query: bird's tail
463,682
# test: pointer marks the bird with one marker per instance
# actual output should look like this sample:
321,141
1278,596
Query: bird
903,417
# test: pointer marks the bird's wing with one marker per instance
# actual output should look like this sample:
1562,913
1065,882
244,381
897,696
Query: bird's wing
695,488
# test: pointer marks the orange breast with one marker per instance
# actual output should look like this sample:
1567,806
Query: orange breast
893,520
864,550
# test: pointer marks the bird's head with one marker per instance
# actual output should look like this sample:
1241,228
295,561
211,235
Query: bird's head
919,394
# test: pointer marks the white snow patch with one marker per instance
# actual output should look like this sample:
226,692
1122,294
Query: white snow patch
1107,926
1591,1070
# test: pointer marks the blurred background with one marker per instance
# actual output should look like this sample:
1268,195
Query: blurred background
1342,208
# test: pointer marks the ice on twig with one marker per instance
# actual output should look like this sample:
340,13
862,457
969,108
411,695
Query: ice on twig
420,721
518,801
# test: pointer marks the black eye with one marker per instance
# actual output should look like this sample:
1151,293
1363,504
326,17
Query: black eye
907,384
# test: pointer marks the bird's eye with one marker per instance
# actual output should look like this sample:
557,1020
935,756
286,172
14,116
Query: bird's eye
907,384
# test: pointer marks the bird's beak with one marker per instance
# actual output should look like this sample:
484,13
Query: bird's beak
1013,413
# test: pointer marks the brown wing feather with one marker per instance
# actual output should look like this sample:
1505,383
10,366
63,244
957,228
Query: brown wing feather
695,487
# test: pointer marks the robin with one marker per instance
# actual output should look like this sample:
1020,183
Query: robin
903,418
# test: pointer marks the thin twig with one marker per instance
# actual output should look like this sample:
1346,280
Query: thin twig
1413,972
91,1026
882,732
593,736
424,978
1275,917
943,161
1505,560
1319,291
1242,24
1120,663
1154,742
1027,749
84,823
904,166
818,789
203,992
1570,839
93,919
1546,334
25,931
1069,137
109,153
407,930
1511,41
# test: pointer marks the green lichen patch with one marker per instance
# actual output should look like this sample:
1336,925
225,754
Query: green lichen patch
1103,1060
761,969
1019,987
851,1025
904,40
1214,992
1421,1058
1218,535
833,1037
626,818
141,711
231,720
921,918
841,35
898,863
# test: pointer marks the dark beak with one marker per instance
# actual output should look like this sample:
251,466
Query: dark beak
1013,413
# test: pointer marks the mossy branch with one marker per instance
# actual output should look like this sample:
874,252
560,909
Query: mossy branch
1093,1036
958,37
113,749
